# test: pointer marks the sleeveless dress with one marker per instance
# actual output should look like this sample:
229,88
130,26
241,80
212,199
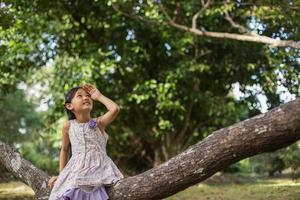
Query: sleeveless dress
89,169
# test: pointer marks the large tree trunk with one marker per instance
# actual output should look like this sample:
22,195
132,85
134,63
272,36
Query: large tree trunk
267,132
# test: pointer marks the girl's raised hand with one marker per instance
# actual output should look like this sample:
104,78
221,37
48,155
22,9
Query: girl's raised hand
92,90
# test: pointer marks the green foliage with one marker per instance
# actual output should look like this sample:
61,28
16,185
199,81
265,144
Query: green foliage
291,156
18,118
268,163
287,158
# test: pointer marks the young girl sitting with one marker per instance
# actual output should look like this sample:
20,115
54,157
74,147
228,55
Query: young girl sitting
89,168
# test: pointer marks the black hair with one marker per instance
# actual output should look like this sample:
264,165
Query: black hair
68,98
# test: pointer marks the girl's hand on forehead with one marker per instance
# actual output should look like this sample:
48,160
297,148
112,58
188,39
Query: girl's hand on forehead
92,90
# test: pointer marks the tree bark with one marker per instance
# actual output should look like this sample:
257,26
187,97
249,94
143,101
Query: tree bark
24,171
266,132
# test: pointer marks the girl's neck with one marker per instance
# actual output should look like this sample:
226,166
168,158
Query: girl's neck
83,118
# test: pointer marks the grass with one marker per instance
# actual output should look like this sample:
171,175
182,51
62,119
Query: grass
218,187
234,191
242,188
15,190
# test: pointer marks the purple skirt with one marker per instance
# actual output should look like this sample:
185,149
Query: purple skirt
78,194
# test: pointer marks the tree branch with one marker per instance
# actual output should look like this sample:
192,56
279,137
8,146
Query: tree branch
251,37
266,132
235,25
24,170
194,20
233,36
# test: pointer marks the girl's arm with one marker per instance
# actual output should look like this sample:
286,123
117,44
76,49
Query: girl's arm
65,146
112,107
63,152
110,115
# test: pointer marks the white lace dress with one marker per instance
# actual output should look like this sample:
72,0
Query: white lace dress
90,166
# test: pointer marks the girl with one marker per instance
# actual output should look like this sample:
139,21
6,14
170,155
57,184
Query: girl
89,168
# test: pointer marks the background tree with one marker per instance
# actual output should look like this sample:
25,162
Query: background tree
174,87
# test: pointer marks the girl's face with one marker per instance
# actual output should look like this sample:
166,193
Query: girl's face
81,101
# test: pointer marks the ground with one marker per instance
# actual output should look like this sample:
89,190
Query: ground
218,187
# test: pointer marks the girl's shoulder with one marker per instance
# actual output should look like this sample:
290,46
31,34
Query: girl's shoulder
67,125
99,124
